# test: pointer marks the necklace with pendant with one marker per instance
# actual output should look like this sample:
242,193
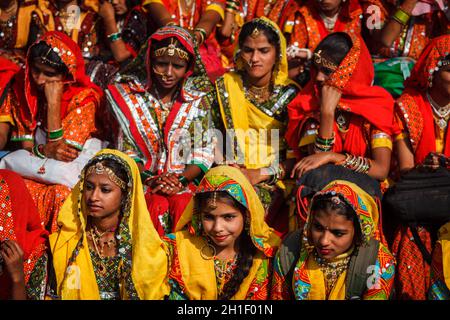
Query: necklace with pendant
441,114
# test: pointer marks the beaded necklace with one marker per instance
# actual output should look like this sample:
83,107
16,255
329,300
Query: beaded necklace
224,270
332,269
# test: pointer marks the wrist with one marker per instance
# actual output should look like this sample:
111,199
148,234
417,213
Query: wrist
18,277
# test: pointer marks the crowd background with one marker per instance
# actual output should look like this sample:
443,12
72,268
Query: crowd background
256,149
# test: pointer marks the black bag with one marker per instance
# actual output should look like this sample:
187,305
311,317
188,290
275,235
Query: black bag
419,197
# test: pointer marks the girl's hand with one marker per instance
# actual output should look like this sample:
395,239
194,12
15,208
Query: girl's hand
330,98
311,162
61,151
12,255
106,11
53,93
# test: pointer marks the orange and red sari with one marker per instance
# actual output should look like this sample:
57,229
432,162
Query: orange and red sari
303,22
371,107
415,36
20,222
415,114
79,103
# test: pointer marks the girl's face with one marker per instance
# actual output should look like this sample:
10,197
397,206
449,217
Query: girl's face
42,73
223,225
329,5
102,197
120,7
168,71
441,82
331,234
259,56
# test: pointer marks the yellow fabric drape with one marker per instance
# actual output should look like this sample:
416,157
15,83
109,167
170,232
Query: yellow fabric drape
23,25
444,240
149,259
198,274
247,118
247,121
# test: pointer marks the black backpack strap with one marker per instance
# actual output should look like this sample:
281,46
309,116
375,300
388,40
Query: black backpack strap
356,281
425,254
289,252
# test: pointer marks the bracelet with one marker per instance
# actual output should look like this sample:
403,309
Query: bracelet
233,11
326,142
146,175
38,153
183,180
114,37
401,16
56,134
357,164
202,34
54,140
171,23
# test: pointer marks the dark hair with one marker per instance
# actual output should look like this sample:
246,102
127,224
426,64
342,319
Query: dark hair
335,46
272,37
246,248
42,49
132,3
325,203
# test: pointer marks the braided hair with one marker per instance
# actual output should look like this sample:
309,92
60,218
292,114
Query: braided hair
247,249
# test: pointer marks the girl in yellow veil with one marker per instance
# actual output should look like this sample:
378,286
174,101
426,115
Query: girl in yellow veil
223,249
251,112
106,246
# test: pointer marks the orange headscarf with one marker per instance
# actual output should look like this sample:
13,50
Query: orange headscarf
353,78
413,105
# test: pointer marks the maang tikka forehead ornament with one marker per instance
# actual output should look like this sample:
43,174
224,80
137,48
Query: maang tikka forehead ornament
99,168
171,49
255,33
323,61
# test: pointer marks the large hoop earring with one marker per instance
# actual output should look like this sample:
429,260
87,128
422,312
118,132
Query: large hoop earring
204,253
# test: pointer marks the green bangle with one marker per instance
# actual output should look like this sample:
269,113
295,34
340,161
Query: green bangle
56,134
401,16
36,151
183,180
145,175
114,37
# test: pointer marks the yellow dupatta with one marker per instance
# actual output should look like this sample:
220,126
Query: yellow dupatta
198,273
76,278
246,117
444,241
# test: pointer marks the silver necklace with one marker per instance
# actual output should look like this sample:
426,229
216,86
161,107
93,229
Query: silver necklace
441,113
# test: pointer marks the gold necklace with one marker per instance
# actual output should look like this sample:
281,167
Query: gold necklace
96,238
259,94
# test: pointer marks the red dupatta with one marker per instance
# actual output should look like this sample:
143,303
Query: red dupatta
7,71
20,222
348,19
353,78
413,106
77,81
